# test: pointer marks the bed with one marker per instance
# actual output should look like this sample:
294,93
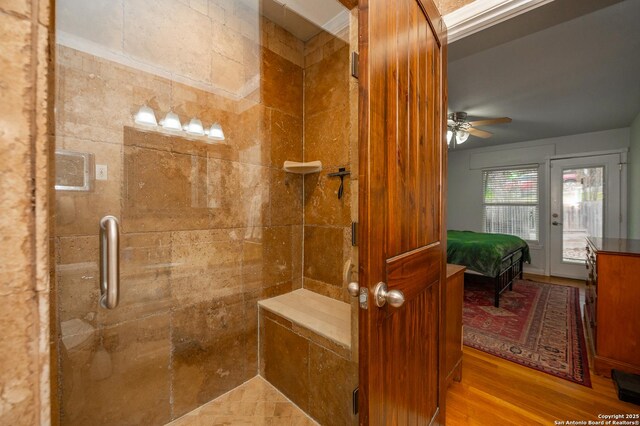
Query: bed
499,257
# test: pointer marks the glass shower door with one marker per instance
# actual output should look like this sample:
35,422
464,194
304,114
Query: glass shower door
176,117
160,124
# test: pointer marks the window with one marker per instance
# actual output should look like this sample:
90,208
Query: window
510,200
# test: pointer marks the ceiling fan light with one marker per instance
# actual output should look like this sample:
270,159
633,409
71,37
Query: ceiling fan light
462,136
449,136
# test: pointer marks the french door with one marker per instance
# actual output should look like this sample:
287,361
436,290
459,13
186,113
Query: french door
586,197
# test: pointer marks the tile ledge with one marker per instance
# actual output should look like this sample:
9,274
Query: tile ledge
323,315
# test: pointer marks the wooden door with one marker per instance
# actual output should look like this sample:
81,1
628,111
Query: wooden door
402,238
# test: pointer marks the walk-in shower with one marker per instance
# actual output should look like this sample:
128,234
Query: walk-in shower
174,215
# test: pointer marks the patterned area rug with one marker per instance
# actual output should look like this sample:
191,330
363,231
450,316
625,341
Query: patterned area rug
537,325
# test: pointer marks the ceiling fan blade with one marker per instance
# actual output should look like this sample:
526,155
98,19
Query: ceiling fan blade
490,121
480,133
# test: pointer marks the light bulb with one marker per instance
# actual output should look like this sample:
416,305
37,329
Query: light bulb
194,127
449,135
215,132
462,136
145,116
171,121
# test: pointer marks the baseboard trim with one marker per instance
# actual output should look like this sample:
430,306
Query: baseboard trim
534,271
604,365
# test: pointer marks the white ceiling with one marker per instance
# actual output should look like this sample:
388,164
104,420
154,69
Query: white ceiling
306,18
561,69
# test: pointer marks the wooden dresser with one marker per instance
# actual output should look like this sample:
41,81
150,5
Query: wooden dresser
612,304
453,322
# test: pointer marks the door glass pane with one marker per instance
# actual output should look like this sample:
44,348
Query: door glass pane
582,210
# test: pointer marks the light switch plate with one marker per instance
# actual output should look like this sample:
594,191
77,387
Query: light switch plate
101,172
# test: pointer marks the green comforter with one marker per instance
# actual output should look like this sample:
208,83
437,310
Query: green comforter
483,253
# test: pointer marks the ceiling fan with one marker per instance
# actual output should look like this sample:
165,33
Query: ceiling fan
459,128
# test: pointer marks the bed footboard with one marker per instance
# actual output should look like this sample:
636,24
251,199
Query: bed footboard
508,275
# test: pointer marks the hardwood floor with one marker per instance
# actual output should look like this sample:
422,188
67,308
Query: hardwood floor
494,391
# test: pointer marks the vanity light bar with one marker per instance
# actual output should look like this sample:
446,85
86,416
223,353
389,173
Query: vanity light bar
146,117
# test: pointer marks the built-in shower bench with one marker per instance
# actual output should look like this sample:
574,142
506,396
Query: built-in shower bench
323,315
305,351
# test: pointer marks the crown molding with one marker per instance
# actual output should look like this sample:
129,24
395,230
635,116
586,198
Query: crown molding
481,14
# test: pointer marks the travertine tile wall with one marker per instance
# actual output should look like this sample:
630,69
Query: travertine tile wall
328,131
207,230
316,373
24,284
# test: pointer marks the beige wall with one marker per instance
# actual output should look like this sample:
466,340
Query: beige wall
24,290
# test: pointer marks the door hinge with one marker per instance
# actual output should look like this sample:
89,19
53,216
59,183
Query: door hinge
355,63
354,234
354,400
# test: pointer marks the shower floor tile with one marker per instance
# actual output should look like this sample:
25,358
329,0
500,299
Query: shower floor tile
255,402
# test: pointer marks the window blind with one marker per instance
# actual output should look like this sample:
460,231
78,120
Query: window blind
510,199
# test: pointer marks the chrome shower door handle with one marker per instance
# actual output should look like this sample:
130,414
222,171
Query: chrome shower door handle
109,262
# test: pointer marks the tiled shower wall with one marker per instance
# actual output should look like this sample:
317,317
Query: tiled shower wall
207,230
330,135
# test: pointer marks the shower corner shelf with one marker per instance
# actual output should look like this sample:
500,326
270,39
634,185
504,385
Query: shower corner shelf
302,168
